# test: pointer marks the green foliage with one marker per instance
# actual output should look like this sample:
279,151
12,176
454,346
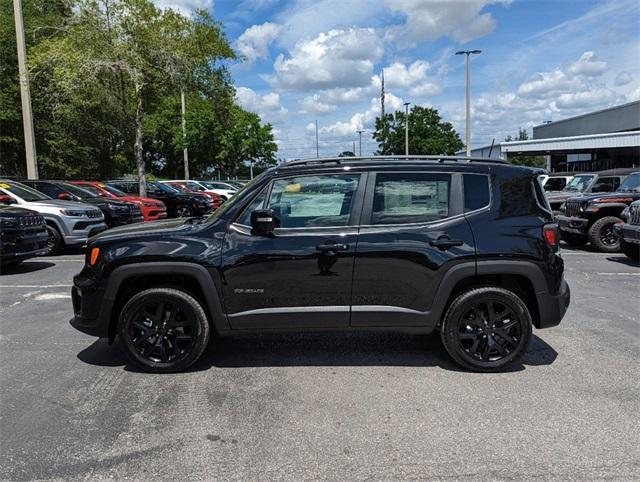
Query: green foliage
428,134
106,77
532,161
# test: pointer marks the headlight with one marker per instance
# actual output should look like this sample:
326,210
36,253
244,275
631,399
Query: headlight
117,207
149,205
7,222
72,212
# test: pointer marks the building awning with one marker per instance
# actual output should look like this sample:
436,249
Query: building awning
575,143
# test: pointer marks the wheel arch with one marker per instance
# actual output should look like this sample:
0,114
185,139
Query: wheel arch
193,278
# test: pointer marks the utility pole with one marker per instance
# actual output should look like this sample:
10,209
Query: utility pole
360,135
25,95
468,53
406,128
354,148
251,168
317,145
185,151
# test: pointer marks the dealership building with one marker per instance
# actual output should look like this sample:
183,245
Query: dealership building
605,139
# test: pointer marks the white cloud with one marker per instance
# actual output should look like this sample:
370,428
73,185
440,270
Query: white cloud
254,42
268,105
623,78
338,58
588,64
587,99
431,19
186,7
547,84
314,105
400,75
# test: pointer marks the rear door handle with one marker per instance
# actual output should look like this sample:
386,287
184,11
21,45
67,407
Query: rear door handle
332,247
445,242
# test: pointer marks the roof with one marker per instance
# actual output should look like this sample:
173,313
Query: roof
592,141
390,159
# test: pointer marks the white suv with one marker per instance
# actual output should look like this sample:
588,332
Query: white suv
69,223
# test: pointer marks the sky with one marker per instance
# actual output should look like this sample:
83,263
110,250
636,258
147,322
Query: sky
302,61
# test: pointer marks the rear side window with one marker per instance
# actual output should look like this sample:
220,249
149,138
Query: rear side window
606,184
401,198
476,192
555,184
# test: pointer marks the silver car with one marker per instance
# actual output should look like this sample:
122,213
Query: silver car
69,223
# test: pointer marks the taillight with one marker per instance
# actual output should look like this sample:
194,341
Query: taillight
552,235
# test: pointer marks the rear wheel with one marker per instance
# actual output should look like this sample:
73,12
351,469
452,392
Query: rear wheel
631,250
573,239
603,237
54,243
486,329
184,211
163,330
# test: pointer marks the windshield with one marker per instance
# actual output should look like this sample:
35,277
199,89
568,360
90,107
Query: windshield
23,192
77,191
113,190
194,186
631,183
178,187
579,183
93,190
164,187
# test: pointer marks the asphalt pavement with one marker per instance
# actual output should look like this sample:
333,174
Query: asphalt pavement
332,406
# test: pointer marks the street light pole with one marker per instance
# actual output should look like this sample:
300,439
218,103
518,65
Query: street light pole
468,53
25,95
360,136
185,151
317,143
406,128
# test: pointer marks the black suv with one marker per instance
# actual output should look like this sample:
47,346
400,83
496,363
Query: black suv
179,205
23,235
402,243
116,212
592,218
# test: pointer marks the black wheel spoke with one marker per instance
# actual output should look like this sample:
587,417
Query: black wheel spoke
499,348
510,324
505,336
474,347
485,350
468,336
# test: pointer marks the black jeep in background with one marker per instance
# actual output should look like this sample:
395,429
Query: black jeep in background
466,247
23,235
592,218
629,231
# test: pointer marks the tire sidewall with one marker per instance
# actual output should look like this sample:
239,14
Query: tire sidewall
199,345
461,305
57,242
594,234
183,206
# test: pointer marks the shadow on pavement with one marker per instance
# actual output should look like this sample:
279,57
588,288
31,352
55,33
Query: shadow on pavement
623,259
26,267
321,349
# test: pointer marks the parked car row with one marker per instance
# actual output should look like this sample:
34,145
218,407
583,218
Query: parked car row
45,216
594,207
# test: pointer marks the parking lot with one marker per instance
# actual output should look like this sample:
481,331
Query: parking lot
322,406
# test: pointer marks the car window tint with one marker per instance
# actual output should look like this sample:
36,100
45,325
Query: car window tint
410,198
313,201
555,184
257,203
476,192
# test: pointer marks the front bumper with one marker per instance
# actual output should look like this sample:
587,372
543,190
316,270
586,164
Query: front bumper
629,232
202,209
92,312
553,308
573,225
77,239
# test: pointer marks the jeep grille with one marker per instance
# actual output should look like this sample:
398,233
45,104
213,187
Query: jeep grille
572,208
634,214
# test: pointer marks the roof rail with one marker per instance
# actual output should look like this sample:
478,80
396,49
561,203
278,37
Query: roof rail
398,158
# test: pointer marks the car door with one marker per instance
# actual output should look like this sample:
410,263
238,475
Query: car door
301,275
413,227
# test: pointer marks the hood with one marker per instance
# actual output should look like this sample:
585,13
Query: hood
179,226
59,203
103,201
140,200
613,196
12,211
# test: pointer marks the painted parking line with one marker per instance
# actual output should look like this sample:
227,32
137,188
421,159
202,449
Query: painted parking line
618,274
35,286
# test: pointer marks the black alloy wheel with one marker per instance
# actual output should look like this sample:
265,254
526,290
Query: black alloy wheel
486,329
163,330
184,211
603,237
54,242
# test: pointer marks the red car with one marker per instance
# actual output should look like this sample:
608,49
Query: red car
152,209
193,187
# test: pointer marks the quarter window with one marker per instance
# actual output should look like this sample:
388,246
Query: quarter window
313,201
401,198
476,192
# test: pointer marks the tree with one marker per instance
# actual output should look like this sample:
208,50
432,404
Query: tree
428,134
533,161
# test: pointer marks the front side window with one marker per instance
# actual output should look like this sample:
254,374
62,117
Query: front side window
579,183
402,198
555,184
631,183
313,201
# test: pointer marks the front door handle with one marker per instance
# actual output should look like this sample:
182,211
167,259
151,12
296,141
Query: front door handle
327,248
445,242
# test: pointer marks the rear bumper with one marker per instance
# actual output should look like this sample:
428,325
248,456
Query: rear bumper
553,308
573,225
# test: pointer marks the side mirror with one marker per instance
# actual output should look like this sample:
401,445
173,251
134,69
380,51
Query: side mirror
6,199
65,196
263,222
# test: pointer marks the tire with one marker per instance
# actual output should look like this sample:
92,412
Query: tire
163,330
183,211
602,236
631,250
54,243
573,239
477,345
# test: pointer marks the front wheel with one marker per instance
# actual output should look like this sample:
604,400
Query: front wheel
54,243
603,237
184,211
486,329
163,330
